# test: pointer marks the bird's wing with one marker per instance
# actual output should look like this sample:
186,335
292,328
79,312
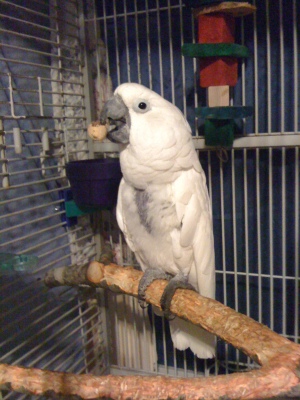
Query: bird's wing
194,211
120,215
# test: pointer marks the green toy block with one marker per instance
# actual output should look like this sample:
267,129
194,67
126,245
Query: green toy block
72,210
219,132
230,112
214,50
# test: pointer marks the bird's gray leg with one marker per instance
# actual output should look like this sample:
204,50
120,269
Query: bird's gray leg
177,282
149,276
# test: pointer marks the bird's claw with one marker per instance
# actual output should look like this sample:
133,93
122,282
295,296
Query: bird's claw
142,303
149,276
177,282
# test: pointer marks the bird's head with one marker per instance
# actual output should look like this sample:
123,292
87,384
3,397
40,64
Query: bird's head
137,115
157,137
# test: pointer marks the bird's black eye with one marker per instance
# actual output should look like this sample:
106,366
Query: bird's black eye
142,105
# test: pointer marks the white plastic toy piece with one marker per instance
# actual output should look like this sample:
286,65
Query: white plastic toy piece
17,140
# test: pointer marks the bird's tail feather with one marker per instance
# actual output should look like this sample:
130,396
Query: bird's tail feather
184,334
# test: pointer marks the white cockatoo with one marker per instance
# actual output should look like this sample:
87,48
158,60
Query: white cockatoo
163,204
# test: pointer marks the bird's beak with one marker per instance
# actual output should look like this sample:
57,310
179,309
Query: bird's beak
116,115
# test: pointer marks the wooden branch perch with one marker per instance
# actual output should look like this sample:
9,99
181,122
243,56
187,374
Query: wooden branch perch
279,357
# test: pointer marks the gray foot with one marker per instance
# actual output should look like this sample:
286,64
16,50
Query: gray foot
177,282
149,276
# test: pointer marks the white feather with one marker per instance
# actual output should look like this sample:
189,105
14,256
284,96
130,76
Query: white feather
175,232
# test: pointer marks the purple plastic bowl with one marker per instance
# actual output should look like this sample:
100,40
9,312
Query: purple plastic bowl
95,183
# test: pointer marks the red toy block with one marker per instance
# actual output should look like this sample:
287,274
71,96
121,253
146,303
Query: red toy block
217,71
220,72
216,28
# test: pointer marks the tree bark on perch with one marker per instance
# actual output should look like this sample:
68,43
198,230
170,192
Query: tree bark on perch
279,357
